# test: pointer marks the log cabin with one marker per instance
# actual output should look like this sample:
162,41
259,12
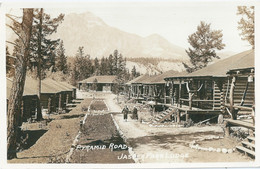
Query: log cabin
70,87
240,98
97,83
30,102
240,105
135,86
202,92
156,89
54,97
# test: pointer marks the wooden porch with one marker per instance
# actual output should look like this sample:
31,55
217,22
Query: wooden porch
184,110
247,123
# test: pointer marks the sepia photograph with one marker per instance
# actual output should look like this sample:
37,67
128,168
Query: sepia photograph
130,82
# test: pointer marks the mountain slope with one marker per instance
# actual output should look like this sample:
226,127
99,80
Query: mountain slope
100,39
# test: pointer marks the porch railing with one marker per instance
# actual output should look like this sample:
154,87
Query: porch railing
196,103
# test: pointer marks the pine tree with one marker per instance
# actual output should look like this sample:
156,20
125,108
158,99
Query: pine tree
204,42
133,71
247,23
96,67
83,64
103,66
10,61
41,46
120,72
21,51
110,65
78,63
74,74
115,64
94,85
61,60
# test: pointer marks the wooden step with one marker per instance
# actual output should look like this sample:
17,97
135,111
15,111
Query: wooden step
69,108
162,115
247,151
71,105
165,113
251,138
248,144
157,118
76,102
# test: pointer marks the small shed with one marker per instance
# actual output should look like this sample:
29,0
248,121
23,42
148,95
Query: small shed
97,83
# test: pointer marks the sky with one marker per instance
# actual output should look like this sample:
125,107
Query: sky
174,20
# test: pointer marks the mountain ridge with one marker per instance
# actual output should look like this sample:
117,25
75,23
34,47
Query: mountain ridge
99,39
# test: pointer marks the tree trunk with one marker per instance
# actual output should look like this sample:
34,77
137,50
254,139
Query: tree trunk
39,54
39,72
231,99
15,98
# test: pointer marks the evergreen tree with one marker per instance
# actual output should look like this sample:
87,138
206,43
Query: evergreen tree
41,46
94,85
96,66
61,60
110,65
115,62
74,75
83,64
10,61
133,71
87,67
24,32
120,72
79,63
103,66
247,23
204,42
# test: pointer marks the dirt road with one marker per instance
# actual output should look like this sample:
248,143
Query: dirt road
171,144
100,142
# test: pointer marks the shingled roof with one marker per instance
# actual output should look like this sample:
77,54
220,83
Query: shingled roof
159,79
28,89
68,85
220,68
47,86
140,79
100,79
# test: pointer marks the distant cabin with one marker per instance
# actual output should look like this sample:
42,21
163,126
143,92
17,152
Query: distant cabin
97,83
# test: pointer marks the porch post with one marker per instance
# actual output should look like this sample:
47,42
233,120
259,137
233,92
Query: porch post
231,98
137,88
67,99
227,128
178,116
59,101
187,115
190,100
49,105
165,93
179,99
22,108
